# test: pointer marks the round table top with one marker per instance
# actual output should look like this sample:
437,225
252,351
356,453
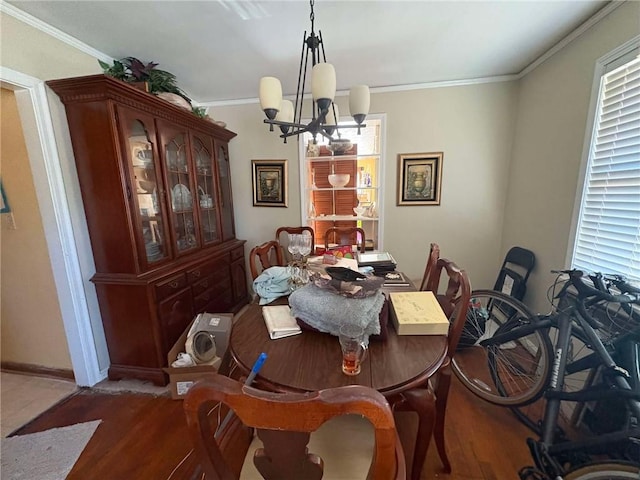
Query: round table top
313,361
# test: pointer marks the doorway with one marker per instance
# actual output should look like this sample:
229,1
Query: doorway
85,341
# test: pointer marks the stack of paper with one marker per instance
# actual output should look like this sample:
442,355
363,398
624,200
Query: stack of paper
279,321
417,313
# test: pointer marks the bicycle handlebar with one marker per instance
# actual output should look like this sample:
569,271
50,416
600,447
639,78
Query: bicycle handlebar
630,294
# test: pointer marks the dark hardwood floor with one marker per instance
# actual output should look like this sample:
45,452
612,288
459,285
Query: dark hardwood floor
145,437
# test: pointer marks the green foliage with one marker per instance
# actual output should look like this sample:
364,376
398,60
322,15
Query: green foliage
118,70
130,69
199,111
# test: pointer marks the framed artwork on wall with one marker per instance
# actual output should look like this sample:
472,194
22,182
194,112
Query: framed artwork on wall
4,204
269,183
419,178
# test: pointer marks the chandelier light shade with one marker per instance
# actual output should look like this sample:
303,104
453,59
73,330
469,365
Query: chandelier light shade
285,114
359,100
323,83
332,119
286,111
325,116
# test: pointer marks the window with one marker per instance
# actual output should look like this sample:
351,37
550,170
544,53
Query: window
357,203
608,229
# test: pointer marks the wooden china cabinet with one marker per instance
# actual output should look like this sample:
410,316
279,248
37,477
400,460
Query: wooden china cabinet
156,188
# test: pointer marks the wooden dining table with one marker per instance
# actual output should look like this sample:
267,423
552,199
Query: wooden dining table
312,361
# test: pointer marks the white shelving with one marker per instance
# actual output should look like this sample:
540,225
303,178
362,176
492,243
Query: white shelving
365,187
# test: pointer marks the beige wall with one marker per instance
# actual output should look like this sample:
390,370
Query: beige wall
29,51
31,324
32,52
472,125
548,146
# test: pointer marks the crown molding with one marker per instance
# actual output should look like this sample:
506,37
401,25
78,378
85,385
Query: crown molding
593,20
74,42
388,89
52,31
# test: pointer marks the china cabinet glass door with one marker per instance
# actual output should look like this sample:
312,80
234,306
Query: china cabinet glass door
181,196
226,205
146,186
206,186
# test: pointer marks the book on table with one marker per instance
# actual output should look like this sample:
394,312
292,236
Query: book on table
395,279
417,313
375,259
279,321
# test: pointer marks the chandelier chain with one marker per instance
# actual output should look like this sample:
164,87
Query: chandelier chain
290,122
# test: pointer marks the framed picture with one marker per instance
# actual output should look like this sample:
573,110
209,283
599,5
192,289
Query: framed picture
419,178
4,204
269,183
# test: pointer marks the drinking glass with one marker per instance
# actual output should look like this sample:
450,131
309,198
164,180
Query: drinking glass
354,348
294,250
304,245
294,245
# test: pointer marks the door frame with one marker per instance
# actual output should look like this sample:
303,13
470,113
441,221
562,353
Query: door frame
46,168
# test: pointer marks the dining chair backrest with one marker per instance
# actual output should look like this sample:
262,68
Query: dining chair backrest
515,271
345,236
454,300
283,240
432,259
430,399
264,256
284,423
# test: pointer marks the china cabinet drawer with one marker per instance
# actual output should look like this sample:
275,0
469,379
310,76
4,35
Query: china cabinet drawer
237,253
170,286
203,285
218,303
206,269
216,300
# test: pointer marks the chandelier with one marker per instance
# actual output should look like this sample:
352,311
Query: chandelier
325,116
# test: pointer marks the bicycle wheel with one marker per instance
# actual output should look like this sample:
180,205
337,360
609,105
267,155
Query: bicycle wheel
605,471
510,374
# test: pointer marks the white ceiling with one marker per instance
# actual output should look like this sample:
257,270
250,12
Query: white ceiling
219,49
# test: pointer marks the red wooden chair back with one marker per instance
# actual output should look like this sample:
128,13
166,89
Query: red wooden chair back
264,256
284,423
345,236
432,259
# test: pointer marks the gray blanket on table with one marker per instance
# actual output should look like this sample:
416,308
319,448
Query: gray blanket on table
326,311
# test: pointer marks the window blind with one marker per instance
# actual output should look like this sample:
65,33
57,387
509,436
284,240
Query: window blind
608,233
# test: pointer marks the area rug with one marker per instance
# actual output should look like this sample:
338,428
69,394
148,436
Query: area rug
130,386
48,455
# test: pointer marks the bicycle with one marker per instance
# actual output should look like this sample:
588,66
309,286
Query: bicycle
507,359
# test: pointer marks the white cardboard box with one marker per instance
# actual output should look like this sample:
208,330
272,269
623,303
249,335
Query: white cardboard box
417,313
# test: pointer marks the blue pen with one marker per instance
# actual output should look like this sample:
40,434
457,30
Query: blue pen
254,371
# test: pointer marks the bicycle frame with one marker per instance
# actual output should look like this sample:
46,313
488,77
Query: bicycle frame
574,321
545,450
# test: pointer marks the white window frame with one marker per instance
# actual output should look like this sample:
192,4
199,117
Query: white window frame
618,57
304,205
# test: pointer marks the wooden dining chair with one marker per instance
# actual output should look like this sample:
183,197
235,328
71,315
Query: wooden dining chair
285,241
284,423
434,392
432,259
264,256
345,236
